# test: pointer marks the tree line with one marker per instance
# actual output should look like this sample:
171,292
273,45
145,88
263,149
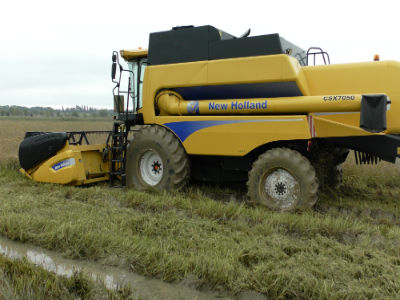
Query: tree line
48,112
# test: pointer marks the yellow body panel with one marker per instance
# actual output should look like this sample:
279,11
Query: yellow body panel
234,135
73,165
345,118
326,127
359,78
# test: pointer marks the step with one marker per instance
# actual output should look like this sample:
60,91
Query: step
118,173
118,160
119,134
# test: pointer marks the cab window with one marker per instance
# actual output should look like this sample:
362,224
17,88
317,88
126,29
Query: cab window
138,68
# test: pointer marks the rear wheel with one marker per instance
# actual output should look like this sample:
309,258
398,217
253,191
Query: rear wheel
156,159
282,179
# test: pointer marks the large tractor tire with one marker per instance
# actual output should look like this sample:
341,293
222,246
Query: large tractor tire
283,180
156,160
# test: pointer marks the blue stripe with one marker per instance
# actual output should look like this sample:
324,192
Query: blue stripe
236,91
185,128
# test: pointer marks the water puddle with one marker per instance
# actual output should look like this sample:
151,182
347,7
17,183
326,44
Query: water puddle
111,276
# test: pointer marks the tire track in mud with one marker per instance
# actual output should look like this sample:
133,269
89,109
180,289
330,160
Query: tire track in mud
112,277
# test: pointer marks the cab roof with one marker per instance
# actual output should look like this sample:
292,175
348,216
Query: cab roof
129,55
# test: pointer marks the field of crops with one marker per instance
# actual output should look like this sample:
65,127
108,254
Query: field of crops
12,130
347,247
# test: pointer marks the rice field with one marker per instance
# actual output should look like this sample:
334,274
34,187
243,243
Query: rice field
346,247
12,130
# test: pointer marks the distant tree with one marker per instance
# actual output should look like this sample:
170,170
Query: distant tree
103,113
75,113
79,111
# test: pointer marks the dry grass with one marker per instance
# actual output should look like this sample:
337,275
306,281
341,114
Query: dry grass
12,131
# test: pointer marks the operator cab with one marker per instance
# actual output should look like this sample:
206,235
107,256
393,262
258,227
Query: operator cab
137,63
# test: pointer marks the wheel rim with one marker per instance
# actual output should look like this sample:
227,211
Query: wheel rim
282,188
151,167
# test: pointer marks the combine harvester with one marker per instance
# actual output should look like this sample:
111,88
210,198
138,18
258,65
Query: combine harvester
206,105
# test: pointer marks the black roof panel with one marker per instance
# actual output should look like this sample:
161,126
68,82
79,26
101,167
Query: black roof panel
188,43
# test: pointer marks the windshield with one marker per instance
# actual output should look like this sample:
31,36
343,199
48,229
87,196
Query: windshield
137,67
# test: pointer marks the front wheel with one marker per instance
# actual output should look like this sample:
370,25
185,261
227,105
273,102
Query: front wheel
156,159
282,179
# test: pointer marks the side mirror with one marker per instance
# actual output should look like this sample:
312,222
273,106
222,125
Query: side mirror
113,70
114,65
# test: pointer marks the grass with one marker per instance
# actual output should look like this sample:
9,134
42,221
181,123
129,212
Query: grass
23,280
348,247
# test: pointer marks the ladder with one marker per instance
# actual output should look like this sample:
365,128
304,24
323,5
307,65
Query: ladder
119,142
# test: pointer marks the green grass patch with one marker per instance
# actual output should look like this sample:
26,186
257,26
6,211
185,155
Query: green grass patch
20,279
346,248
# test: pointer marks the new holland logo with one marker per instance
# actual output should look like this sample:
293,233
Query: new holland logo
235,105
239,105
193,107
62,164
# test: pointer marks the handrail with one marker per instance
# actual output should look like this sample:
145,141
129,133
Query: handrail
318,51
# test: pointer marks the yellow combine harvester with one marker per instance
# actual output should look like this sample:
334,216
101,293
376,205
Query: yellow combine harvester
204,104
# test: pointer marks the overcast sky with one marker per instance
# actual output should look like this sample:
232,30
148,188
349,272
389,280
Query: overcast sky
58,53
